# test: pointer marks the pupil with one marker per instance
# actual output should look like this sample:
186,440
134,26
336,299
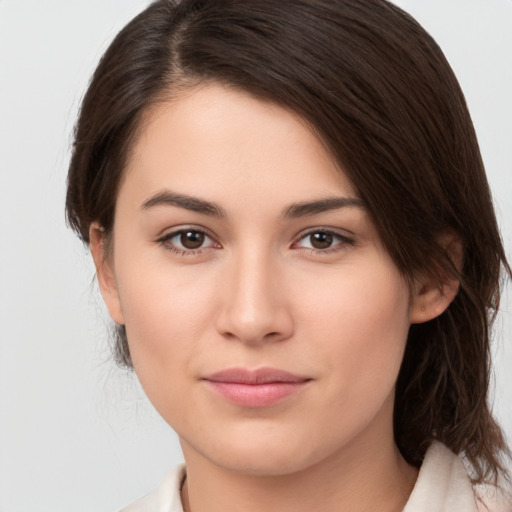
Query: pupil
192,239
321,240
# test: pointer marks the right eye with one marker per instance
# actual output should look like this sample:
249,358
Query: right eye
187,241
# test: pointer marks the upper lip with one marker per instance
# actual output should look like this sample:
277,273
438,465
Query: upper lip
257,376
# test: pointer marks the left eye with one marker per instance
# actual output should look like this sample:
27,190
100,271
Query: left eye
322,240
188,240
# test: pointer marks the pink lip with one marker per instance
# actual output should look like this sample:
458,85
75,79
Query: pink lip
255,388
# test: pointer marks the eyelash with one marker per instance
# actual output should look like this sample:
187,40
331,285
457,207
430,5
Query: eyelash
166,241
342,241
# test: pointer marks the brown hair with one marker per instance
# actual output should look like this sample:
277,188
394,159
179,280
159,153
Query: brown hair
379,92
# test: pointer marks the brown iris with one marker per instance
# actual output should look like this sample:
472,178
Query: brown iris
321,240
192,239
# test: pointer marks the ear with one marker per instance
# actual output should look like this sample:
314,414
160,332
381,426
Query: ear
105,272
434,292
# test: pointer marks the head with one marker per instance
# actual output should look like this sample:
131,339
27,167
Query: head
379,97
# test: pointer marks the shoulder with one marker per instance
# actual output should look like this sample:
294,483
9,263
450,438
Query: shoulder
165,498
444,485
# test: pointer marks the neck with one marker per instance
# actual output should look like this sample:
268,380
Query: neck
361,477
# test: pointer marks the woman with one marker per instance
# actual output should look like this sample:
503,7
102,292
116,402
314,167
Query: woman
293,232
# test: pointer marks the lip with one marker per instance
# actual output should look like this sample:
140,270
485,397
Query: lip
262,387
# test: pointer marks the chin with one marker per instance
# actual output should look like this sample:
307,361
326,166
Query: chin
261,455
264,463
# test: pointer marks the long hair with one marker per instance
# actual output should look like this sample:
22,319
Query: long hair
380,94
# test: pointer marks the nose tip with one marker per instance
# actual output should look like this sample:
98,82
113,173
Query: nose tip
254,306
254,329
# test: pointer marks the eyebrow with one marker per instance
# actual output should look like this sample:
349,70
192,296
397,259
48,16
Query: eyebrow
323,205
295,210
168,198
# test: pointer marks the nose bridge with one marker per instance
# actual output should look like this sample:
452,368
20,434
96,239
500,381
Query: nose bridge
254,305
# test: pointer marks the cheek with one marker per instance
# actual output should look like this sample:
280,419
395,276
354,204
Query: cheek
166,313
359,321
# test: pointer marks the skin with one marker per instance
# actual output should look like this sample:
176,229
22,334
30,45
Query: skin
257,293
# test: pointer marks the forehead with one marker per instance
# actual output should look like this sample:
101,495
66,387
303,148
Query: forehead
216,142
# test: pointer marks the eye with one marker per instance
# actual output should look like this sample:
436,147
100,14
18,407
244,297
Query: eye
187,240
323,240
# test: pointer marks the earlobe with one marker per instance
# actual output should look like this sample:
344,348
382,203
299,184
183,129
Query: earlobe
435,291
104,272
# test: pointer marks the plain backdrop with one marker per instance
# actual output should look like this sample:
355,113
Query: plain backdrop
76,434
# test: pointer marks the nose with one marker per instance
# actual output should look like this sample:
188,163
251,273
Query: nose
255,304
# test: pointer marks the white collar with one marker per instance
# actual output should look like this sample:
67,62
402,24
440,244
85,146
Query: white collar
443,485
166,497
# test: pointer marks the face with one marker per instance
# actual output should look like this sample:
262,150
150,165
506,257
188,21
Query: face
265,321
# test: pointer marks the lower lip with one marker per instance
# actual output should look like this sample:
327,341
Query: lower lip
256,395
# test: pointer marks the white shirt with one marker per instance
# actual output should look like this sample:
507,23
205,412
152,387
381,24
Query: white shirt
443,485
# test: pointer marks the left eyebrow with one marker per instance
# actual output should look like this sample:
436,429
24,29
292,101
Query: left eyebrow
322,205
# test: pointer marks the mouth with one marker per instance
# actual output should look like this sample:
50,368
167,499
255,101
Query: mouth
255,388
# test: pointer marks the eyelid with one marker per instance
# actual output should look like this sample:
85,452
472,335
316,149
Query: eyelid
343,237
168,235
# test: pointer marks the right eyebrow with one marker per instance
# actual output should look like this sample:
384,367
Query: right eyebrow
169,198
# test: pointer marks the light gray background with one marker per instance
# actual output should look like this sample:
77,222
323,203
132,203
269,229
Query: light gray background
76,434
